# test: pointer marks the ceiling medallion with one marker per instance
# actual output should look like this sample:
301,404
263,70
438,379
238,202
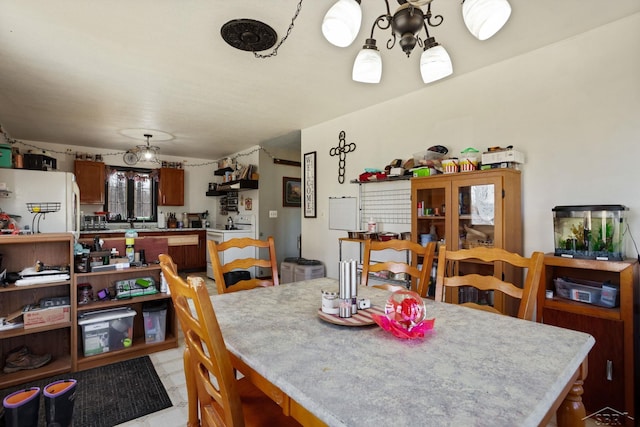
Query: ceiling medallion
249,35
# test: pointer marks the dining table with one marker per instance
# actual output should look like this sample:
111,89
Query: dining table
474,368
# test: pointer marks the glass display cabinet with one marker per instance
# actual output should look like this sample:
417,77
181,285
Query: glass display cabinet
470,209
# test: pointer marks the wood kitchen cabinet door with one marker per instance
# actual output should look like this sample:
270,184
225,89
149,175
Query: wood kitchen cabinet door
605,383
171,187
91,181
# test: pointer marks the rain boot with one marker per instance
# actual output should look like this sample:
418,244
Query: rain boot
59,397
21,408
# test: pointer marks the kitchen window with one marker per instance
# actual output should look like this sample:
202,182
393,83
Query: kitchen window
131,193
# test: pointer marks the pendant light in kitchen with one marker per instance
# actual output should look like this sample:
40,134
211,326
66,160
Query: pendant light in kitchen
148,153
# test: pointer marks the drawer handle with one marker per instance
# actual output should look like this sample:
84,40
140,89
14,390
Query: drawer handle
609,370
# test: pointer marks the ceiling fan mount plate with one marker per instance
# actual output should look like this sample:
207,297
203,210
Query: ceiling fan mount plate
249,35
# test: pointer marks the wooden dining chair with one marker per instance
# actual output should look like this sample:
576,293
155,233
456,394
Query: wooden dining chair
221,398
372,263
235,245
167,264
449,275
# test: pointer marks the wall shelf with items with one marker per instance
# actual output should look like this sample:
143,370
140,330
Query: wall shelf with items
612,374
387,179
223,171
234,186
18,252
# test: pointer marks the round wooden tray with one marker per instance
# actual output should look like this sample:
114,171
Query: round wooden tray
362,318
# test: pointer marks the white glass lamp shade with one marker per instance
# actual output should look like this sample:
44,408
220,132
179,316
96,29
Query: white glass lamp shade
367,67
435,64
484,18
341,24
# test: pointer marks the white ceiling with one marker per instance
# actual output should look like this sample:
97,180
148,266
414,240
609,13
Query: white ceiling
84,72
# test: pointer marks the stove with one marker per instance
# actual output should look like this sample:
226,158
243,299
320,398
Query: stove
244,227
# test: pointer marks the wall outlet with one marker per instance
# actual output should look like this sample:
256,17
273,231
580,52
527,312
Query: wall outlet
273,214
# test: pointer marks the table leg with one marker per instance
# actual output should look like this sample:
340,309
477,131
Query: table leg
571,412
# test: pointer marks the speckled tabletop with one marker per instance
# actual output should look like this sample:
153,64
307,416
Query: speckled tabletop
473,369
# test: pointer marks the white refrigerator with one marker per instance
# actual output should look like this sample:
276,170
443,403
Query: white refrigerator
30,194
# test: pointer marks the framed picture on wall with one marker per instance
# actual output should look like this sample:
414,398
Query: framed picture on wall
291,192
310,185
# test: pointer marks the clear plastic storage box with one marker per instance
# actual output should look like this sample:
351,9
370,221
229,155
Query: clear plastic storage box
590,231
106,330
155,321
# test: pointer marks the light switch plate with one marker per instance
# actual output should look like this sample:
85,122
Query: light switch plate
273,214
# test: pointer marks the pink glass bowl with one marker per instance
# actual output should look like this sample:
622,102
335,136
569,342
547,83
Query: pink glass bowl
405,316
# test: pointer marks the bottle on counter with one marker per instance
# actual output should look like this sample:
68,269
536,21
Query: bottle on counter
129,241
161,220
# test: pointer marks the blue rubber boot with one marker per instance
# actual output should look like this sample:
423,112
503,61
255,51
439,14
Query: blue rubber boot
21,408
59,397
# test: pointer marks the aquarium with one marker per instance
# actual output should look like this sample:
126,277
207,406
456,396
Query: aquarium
590,231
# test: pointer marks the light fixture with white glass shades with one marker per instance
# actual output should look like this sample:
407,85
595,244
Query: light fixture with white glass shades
483,18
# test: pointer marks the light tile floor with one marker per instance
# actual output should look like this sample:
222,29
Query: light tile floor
169,366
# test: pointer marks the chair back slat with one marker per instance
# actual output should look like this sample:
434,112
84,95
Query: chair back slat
417,254
219,270
449,276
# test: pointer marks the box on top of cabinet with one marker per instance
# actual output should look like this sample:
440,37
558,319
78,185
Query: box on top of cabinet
503,156
5,156
589,231
39,162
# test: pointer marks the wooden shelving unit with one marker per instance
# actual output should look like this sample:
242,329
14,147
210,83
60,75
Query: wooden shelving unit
613,373
101,280
64,340
18,252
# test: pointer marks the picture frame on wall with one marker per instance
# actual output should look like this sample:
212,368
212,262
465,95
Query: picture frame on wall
309,174
291,192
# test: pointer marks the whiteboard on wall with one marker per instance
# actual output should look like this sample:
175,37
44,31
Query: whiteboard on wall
343,213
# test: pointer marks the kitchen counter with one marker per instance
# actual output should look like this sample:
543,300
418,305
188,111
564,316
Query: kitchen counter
140,230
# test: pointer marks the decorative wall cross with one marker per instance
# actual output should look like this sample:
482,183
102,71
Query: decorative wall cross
341,151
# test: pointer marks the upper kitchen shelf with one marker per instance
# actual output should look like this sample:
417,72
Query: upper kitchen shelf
240,184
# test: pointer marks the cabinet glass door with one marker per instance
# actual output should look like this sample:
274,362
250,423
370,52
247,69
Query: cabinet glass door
474,223
478,209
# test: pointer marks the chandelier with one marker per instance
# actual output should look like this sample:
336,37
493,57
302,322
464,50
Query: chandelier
147,153
341,25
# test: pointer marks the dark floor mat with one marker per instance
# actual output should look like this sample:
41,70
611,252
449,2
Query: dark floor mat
111,394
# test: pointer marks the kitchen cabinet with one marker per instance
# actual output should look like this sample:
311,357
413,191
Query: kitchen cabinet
139,346
188,250
18,252
171,187
90,176
612,377
469,209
